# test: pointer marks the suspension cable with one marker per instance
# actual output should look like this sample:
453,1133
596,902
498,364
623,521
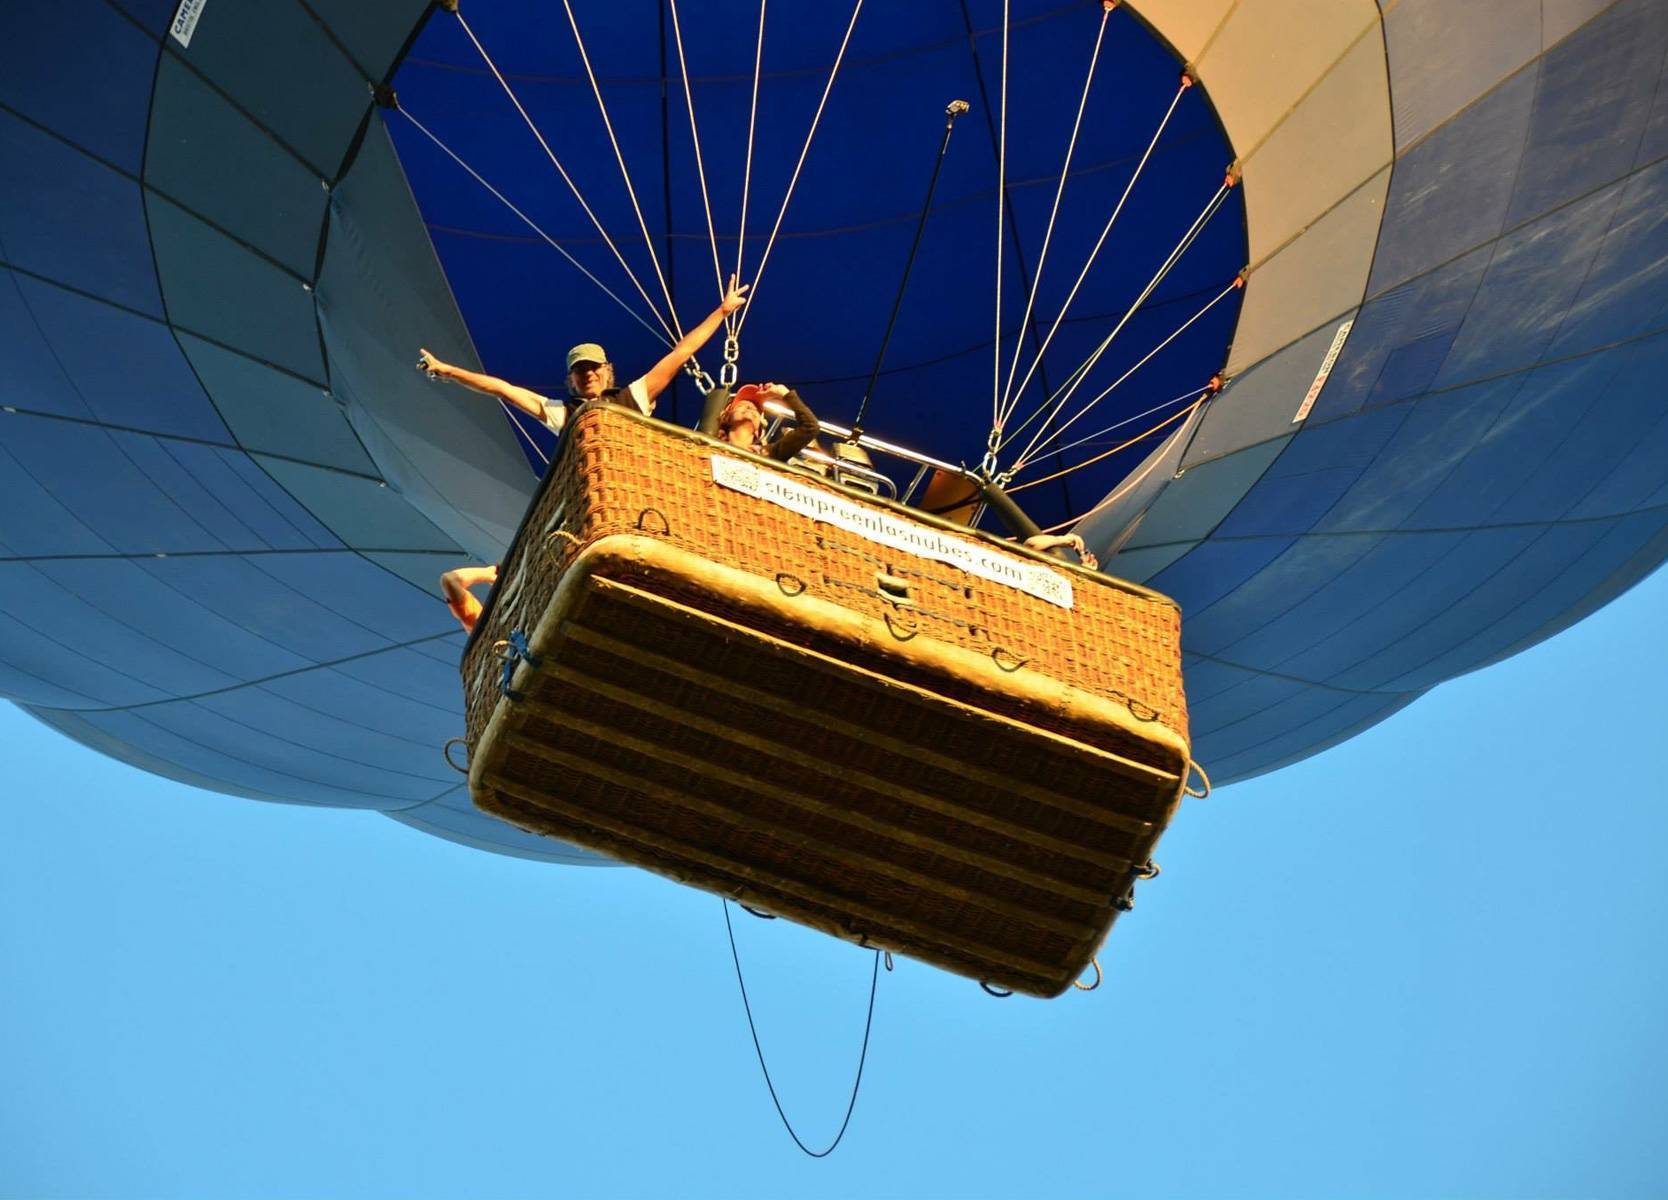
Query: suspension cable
663,335
1128,485
695,136
798,166
1089,438
1121,446
642,225
562,171
1059,191
1001,209
1031,455
862,1057
1013,400
731,320
1051,408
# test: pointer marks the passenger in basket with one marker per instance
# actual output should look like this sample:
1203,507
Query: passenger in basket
742,422
591,375
1068,541
455,585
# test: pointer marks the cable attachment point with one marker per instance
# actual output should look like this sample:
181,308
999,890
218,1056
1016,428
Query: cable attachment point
955,109
450,6
384,96
1189,77
1231,179
1216,384
731,370
1108,5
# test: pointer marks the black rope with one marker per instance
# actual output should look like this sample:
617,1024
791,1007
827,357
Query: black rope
954,110
862,1057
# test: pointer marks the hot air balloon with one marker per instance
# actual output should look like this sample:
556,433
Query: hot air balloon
227,227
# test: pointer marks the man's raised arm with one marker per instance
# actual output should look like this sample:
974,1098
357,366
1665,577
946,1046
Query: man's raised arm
659,377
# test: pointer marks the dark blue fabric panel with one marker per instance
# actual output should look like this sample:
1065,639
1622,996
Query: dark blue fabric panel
154,15
98,482
1443,54
1309,566
1551,575
1625,293
1451,192
268,410
1595,93
1214,569
75,725
1252,695
292,617
218,289
336,694
35,377
426,675
1315,470
1522,444
1300,739
1401,339
1630,472
127,369
195,741
257,500
366,744
70,219
1425,449
49,662
457,820
82,70
102,628
1404,585
448,650
1532,279
1207,677
212,159
362,595
194,624
251,51
362,512
1301,708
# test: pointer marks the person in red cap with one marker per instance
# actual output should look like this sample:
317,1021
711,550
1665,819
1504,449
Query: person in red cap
591,375
742,422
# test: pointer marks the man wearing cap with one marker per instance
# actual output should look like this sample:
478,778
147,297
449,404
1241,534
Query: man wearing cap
591,375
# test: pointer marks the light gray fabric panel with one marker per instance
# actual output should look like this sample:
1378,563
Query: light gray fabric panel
1317,279
277,413
1190,507
1336,138
422,570
1141,565
450,452
1446,53
1188,25
1560,18
1261,403
372,30
216,288
208,156
1109,527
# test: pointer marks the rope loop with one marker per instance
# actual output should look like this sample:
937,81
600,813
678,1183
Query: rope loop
446,753
1089,987
999,993
751,911
551,538
784,578
1148,870
1000,652
887,958
665,525
900,631
1140,711
1196,793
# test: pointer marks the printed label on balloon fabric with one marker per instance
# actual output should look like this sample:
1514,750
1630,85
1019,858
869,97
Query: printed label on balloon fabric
1034,579
185,20
1325,370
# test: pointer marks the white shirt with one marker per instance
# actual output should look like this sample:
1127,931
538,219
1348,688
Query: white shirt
556,411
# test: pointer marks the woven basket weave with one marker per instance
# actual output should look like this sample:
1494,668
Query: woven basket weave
884,746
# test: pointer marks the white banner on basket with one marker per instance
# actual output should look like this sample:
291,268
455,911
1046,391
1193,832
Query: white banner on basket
882,527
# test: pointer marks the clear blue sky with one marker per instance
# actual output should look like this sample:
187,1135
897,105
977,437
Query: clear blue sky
1432,962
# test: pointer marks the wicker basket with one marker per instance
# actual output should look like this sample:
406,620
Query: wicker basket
899,731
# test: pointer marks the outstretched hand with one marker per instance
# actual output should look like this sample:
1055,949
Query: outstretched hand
429,365
734,297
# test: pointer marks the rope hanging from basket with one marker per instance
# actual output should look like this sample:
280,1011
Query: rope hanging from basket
753,1029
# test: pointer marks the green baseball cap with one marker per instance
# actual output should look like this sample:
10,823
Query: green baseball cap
586,352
